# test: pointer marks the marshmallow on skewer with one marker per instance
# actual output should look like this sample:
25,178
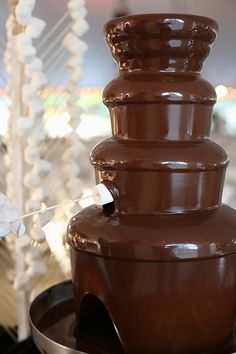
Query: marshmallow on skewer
26,54
24,242
35,66
32,255
35,27
28,93
41,193
75,4
23,15
39,80
30,4
31,154
23,39
78,13
38,235
31,180
36,105
36,138
71,169
22,282
80,27
74,183
32,205
42,166
24,126
36,269
74,44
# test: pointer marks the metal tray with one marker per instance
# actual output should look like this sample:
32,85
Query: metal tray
57,300
53,325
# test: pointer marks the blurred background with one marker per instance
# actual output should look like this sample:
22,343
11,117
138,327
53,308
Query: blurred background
98,70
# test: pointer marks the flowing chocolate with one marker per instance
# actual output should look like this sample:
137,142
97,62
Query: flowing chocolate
162,258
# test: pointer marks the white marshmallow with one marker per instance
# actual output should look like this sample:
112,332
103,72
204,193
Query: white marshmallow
32,255
71,170
75,4
74,62
77,74
29,3
32,205
23,14
26,54
39,80
42,166
28,93
74,44
35,66
31,180
35,27
24,125
36,269
102,195
22,282
74,183
41,193
36,106
80,27
24,242
77,14
38,235
31,154
36,138
23,39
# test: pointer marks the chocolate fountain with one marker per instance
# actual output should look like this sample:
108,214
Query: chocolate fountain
154,272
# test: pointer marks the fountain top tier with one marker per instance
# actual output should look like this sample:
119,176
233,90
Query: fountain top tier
164,42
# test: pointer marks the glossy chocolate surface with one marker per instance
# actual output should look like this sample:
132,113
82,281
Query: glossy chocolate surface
162,258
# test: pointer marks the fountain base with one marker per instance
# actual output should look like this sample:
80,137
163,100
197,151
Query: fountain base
53,326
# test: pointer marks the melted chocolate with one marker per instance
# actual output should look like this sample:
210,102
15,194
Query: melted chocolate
59,325
162,260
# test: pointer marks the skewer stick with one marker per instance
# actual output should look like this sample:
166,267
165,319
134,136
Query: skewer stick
54,28
41,211
55,41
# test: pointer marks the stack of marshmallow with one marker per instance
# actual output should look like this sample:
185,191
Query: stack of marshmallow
29,129
77,48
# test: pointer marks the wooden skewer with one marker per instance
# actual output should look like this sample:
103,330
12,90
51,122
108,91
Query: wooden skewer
57,25
55,41
41,211
17,28
58,53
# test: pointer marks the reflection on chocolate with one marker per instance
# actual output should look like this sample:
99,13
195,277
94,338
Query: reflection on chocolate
163,260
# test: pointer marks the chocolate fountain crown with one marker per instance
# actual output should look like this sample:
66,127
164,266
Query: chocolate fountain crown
165,42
